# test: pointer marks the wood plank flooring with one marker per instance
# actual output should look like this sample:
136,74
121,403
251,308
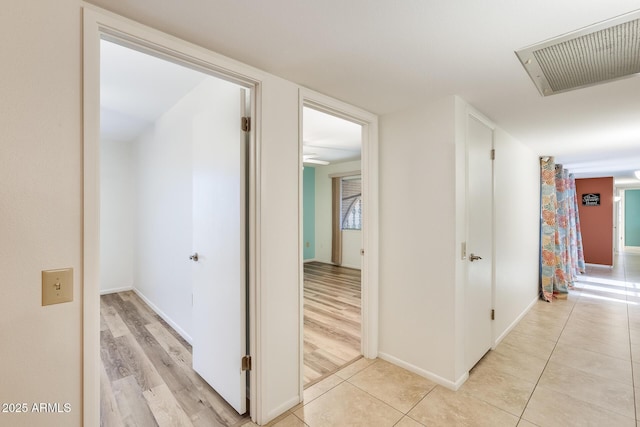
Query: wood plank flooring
332,319
146,377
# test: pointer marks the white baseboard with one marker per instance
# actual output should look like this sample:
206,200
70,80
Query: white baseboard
310,260
515,322
275,413
451,385
166,318
354,267
599,265
114,290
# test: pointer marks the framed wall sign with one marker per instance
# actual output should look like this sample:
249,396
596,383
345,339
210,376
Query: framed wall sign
591,199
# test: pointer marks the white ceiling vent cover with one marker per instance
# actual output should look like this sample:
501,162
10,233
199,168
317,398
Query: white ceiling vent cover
602,52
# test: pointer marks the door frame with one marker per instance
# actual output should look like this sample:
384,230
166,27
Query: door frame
98,24
369,168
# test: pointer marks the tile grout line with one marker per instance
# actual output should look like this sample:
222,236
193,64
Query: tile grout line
633,383
549,358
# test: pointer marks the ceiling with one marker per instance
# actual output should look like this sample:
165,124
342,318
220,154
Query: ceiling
137,88
330,138
386,56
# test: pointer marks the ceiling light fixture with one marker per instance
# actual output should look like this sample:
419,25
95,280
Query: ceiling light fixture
311,158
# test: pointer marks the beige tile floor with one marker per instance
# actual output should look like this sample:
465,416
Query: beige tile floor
573,362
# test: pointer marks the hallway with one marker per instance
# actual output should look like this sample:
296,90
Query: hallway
570,362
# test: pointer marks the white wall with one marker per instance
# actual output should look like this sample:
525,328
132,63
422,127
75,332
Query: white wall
351,239
422,275
117,213
164,212
517,219
163,156
41,169
279,262
42,219
40,206
417,239
351,246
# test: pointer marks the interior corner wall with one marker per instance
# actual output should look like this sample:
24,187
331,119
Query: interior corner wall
417,239
309,212
117,213
41,207
596,222
351,239
517,238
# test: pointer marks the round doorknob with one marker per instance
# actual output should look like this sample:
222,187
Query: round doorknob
194,257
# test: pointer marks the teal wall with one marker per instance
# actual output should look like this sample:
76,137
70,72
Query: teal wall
632,217
309,211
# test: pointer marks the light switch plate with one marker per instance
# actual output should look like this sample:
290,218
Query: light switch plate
57,286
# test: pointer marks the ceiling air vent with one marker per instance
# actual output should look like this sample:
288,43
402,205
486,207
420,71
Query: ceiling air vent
596,54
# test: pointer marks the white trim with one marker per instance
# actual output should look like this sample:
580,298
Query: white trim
451,385
310,260
598,265
515,323
98,23
116,290
164,316
276,412
369,173
353,267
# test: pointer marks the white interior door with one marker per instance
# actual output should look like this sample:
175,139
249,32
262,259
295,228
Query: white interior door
478,292
219,288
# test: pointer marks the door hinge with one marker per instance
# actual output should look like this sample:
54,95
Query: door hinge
493,154
246,124
246,363
493,314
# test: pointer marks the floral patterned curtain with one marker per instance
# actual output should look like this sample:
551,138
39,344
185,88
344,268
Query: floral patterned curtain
575,235
560,238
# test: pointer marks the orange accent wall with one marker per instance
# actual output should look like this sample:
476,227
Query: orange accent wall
596,222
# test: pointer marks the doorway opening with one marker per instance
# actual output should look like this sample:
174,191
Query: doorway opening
332,217
173,239
627,203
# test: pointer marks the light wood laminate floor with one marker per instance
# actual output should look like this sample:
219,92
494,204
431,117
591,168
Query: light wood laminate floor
146,376
332,319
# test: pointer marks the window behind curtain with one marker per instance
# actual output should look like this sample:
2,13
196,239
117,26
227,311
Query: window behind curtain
351,206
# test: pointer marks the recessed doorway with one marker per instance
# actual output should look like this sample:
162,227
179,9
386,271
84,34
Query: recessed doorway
332,214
